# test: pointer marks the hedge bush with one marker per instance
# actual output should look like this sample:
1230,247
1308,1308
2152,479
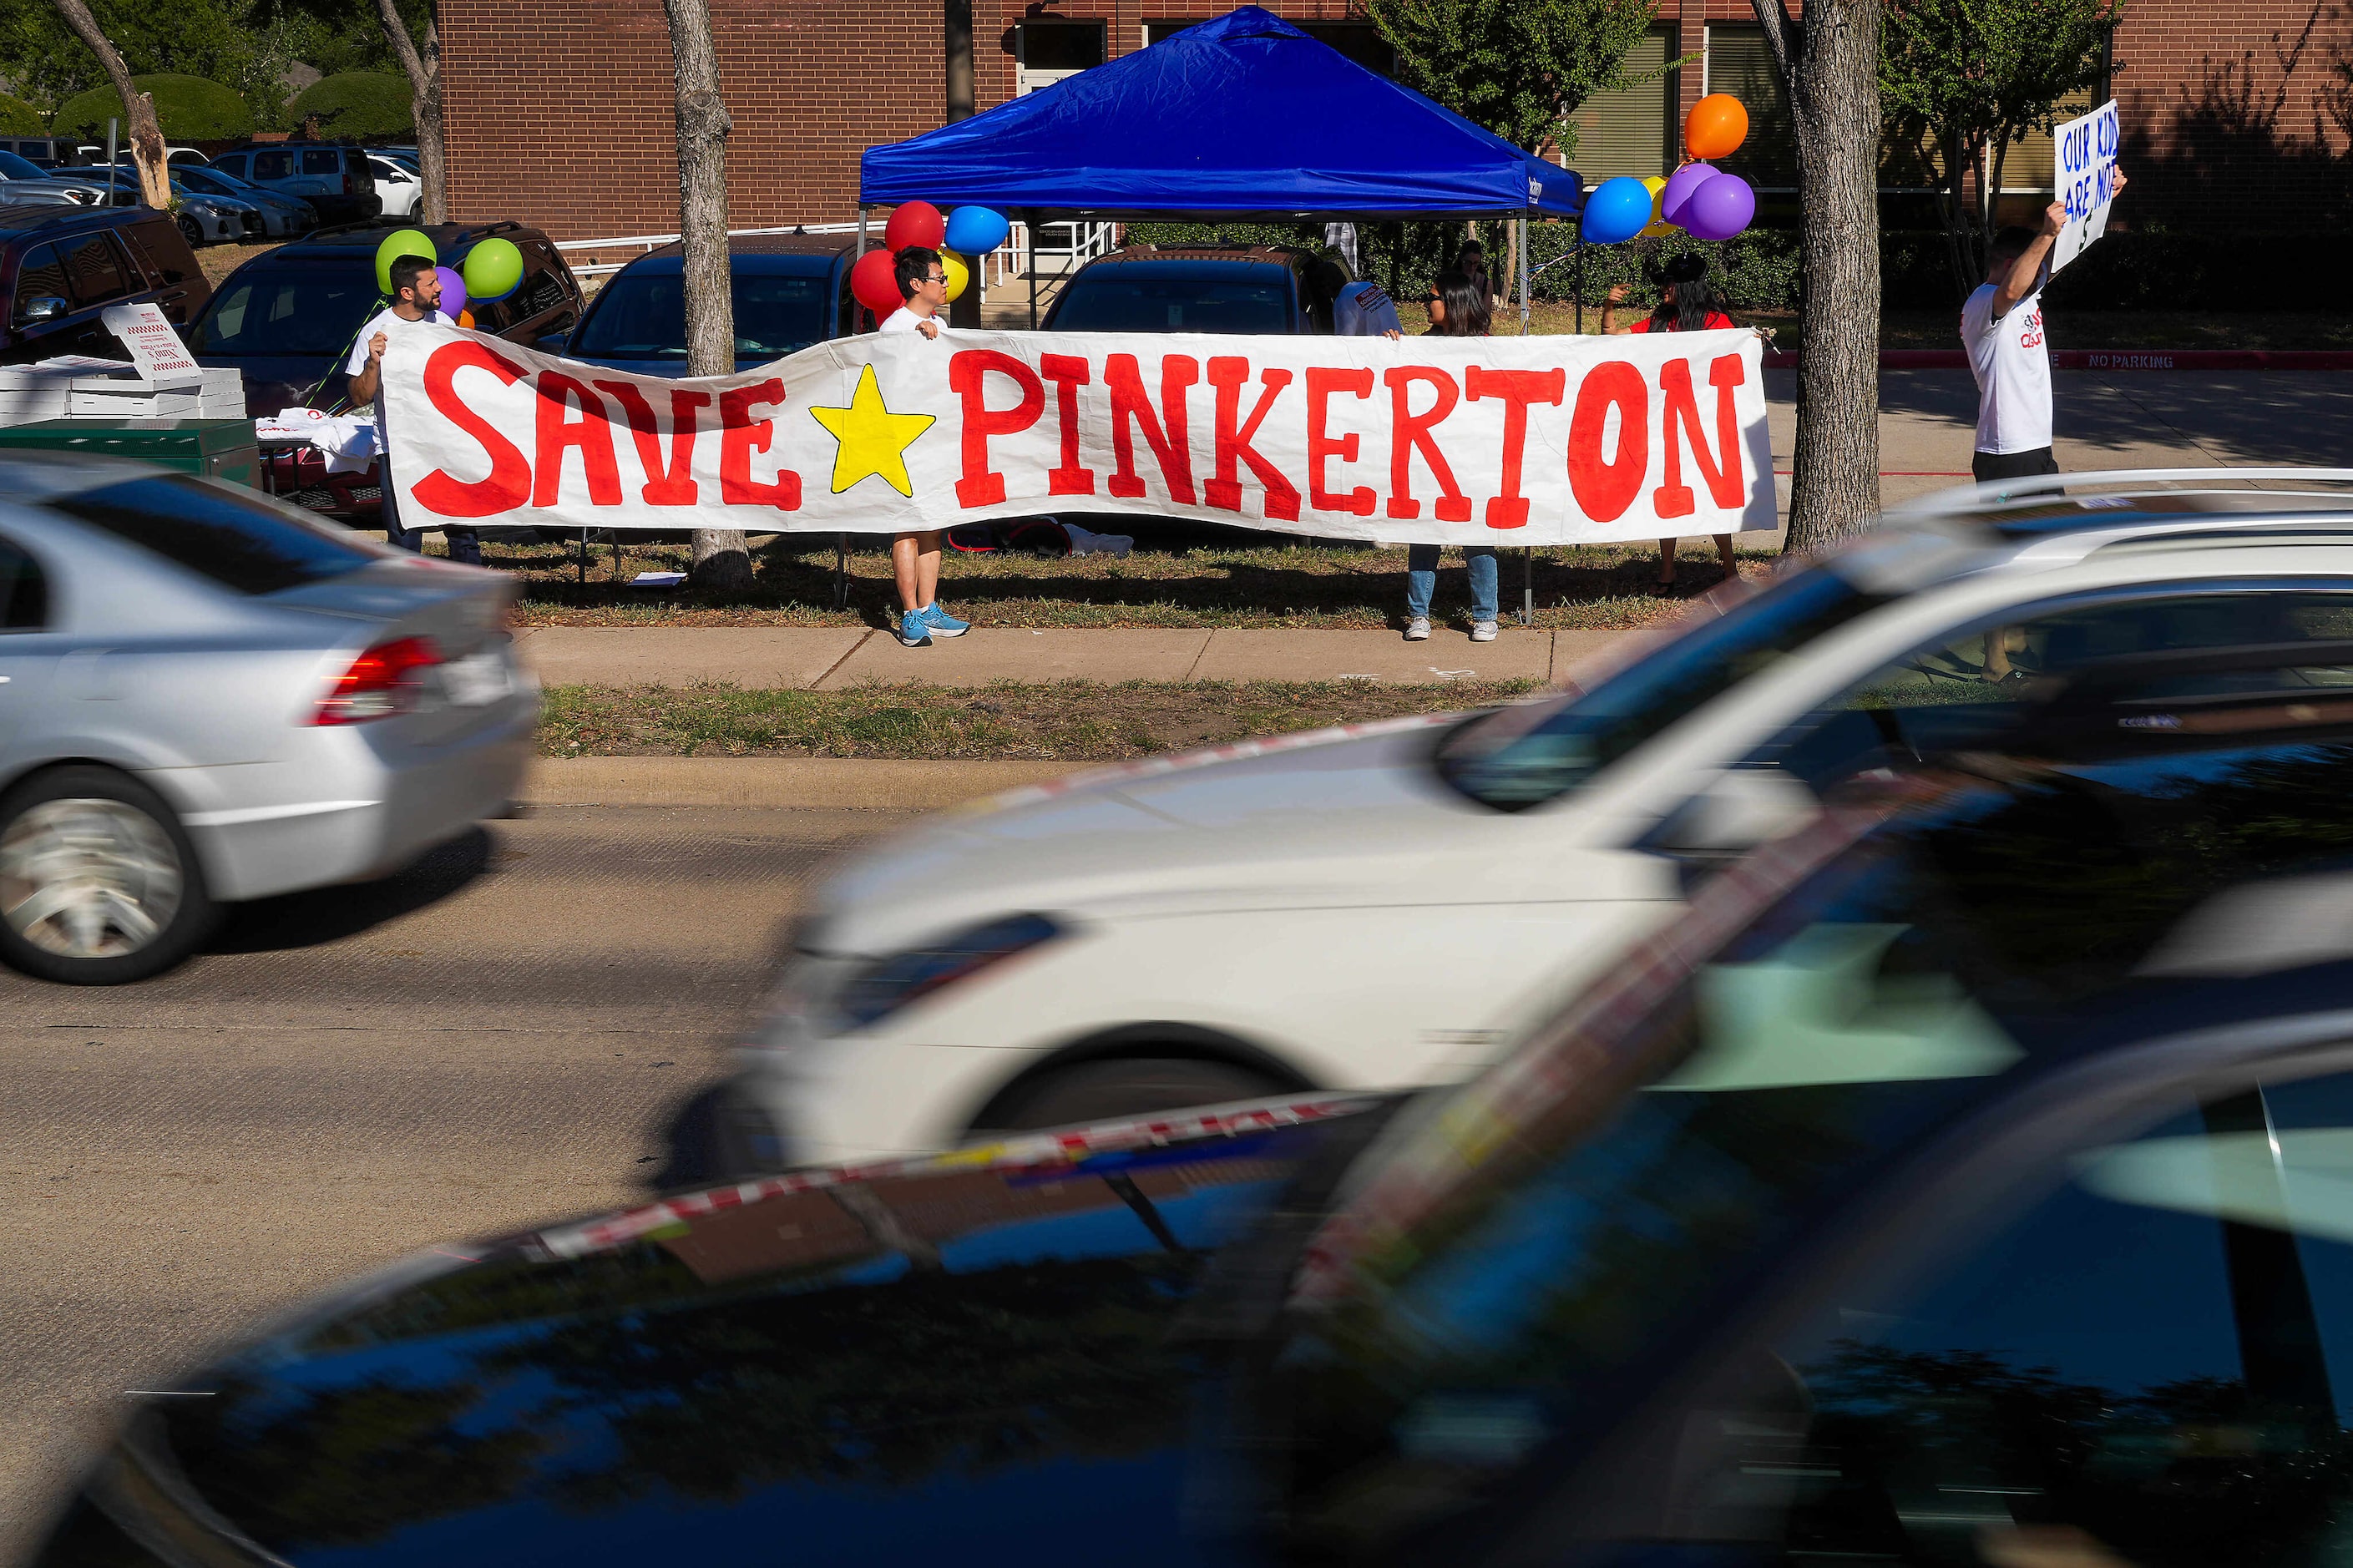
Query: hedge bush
18,118
187,107
371,106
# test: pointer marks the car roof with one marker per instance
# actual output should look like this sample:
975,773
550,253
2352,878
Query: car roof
18,218
771,245
1239,256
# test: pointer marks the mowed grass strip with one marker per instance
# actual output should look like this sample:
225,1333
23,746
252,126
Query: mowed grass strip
1315,586
1078,720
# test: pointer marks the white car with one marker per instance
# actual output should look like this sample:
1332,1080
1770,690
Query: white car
398,185
1382,906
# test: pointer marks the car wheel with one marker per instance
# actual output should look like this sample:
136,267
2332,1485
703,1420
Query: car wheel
99,884
190,227
1122,1086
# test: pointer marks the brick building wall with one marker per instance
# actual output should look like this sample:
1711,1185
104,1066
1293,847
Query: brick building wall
560,113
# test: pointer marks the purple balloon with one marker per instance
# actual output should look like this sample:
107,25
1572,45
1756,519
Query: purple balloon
1680,187
1720,208
453,291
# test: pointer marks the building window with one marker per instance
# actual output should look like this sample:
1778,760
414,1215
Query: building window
1360,41
1046,52
1630,129
1739,62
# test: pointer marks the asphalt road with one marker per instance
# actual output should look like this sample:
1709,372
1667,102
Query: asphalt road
493,1037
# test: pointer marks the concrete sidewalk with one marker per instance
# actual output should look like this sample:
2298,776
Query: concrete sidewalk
830,659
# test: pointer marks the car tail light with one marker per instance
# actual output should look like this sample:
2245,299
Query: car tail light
351,182
380,683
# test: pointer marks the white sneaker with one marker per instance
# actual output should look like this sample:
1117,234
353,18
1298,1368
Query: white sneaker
1482,631
1418,630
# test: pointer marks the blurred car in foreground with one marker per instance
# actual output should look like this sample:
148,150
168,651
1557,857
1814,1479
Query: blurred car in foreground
1380,906
205,697
1964,1174
790,290
1193,289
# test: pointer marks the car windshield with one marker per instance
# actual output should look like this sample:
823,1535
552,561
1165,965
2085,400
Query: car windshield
212,182
13,167
309,310
232,536
1175,297
1825,1007
643,316
1524,756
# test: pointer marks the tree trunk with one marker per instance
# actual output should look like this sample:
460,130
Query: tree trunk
424,71
1830,67
147,154
721,559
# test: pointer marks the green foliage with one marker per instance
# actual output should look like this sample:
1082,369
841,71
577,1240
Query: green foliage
187,107
18,118
1516,67
371,105
1959,81
1753,271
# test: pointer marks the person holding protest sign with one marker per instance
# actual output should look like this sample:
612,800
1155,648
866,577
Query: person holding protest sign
2002,326
1687,303
1457,304
415,297
915,556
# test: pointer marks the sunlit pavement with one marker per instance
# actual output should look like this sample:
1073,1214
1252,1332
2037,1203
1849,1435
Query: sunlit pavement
491,1038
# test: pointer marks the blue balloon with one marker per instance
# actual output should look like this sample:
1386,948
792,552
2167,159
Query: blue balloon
977,231
1617,209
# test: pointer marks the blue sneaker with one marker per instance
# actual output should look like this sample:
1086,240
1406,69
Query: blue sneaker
915,631
942,623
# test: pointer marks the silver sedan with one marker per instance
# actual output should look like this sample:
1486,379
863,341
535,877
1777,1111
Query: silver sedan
206,696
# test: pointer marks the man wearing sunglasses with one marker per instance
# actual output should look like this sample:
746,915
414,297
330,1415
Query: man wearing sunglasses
915,555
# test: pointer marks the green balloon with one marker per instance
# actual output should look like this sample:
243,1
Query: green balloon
493,269
399,243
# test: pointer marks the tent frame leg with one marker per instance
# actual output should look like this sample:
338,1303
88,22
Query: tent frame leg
1523,248
840,571
1030,222
1528,587
1580,277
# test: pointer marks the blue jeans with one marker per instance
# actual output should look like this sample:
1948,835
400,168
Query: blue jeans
1422,579
465,545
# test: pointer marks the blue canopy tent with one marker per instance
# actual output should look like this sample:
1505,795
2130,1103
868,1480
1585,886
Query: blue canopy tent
1244,116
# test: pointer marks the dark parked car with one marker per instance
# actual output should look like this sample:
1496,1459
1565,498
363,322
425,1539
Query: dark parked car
1963,1179
334,179
790,290
63,265
1193,289
288,318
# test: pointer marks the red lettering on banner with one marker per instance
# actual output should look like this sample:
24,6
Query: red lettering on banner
1605,487
508,484
1675,499
1322,383
1410,432
673,485
980,486
1068,373
591,433
1229,374
740,436
1168,433
1519,389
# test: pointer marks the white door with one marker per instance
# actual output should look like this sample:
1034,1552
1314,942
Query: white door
1046,52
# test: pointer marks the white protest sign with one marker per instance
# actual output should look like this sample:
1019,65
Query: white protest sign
162,359
2084,173
1536,440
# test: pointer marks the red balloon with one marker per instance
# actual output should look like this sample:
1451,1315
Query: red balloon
916,222
873,280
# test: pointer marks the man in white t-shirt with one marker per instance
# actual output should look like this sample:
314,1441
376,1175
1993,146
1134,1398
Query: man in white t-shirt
915,555
415,297
2002,326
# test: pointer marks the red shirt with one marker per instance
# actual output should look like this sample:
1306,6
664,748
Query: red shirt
1716,322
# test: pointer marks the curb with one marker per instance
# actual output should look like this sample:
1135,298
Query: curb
806,783
2117,359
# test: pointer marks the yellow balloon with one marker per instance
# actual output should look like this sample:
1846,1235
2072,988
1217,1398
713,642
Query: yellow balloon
958,269
1657,186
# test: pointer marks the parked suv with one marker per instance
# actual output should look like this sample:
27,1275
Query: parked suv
1194,289
334,178
790,290
62,266
287,319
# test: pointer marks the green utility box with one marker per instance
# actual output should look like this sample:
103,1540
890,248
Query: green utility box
219,449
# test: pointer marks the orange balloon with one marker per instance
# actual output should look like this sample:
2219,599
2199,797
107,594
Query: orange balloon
1715,127
466,318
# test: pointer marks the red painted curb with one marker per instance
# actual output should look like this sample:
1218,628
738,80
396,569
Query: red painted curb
2117,358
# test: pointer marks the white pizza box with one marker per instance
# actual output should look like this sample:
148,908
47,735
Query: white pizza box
84,405
224,393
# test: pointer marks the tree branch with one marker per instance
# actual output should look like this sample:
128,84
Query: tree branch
1781,29
396,33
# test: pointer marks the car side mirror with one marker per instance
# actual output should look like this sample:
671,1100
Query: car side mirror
1740,809
45,308
555,343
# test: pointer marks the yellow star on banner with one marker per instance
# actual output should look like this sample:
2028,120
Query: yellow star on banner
873,440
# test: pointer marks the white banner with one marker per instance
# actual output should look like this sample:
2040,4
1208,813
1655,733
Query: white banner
2084,158
1541,440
